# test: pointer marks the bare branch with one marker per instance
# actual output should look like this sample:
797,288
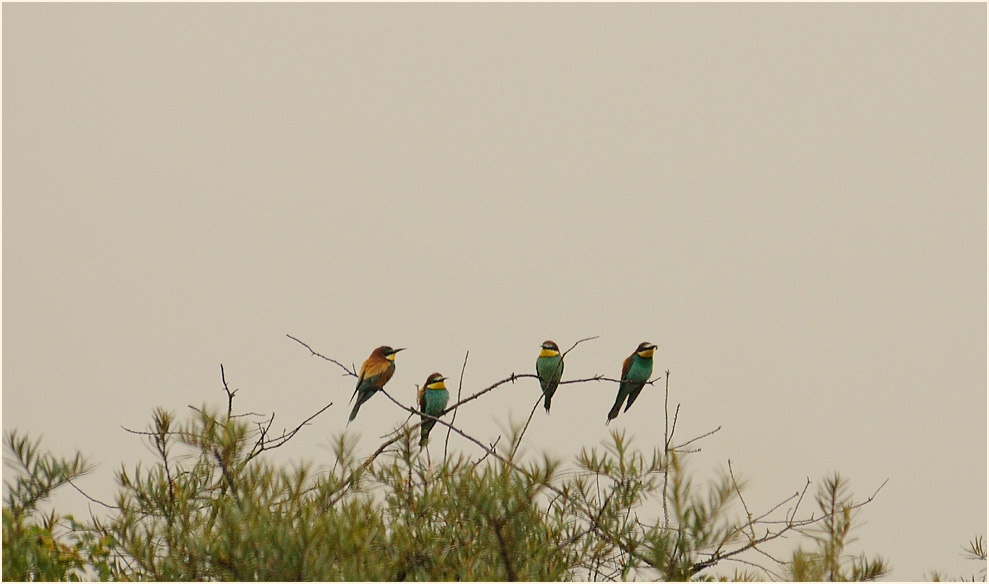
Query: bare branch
230,394
738,491
518,441
692,440
460,387
797,506
84,494
673,429
574,346
286,436
351,372
488,453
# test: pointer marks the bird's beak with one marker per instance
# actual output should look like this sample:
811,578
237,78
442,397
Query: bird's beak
397,350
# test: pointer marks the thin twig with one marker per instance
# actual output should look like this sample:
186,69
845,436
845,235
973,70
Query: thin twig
666,448
352,479
673,429
795,507
579,342
351,372
738,491
285,437
518,441
790,525
692,440
488,453
146,433
460,387
666,414
757,566
230,394
425,416
84,494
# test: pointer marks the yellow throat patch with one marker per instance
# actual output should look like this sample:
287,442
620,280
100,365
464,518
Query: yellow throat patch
548,353
437,385
647,354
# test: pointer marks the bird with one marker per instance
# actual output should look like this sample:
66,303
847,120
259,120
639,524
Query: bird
549,369
636,370
433,398
375,373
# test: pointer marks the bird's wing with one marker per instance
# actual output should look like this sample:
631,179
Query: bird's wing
422,398
360,380
626,364
377,373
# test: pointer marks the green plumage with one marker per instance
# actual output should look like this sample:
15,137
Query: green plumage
635,373
433,403
549,370
365,389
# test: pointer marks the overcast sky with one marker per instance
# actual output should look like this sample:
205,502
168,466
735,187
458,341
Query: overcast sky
789,199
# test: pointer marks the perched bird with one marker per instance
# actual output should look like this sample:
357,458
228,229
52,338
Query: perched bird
433,398
635,373
549,369
375,373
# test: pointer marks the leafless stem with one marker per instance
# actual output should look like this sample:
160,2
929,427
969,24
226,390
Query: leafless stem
795,507
488,453
692,440
230,394
666,449
738,491
673,429
84,494
273,443
518,441
460,387
443,422
574,346
351,372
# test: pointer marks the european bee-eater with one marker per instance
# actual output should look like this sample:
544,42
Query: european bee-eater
635,373
433,398
549,369
375,373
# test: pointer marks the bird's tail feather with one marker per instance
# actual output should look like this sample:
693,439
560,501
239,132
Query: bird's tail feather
424,432
633,396
614,410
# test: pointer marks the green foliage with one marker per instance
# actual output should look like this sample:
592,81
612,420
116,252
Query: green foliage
213,507
828,562
976,550
32,548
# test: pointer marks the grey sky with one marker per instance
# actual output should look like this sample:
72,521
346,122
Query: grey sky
789,199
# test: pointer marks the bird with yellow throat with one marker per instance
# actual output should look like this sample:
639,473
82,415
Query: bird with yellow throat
549,370
433,397
375,373
636,370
